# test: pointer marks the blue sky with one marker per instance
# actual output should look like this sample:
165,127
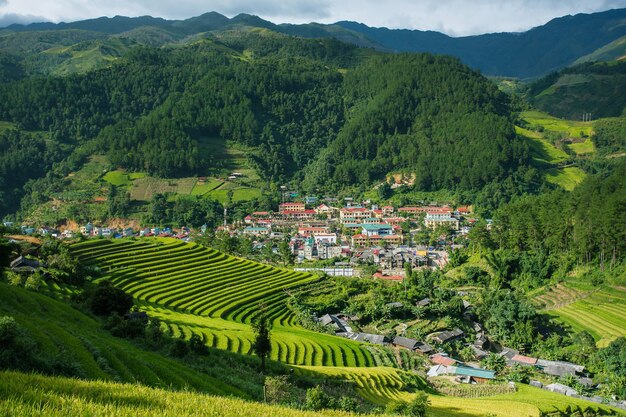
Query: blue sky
454,17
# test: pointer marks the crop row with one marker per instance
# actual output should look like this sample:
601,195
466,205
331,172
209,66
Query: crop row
192,278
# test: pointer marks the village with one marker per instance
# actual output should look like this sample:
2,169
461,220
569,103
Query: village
355,234
346,238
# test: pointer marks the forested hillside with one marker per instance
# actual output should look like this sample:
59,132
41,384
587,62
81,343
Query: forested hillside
332,114
428,115
594,89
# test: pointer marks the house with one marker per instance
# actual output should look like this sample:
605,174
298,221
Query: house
285,207
424,302
256,231
559,368
376,230
448,336
440,216
387,210
522,360
325,238
309,231
340,326
359,240
411,344
439,359
561,389
310,200
479,353
396,304
22,264
411,210
374,339
326,210
437,370
357,213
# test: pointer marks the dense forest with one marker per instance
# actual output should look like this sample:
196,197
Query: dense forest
318,111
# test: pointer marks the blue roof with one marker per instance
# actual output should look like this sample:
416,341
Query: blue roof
256,229
477,372
374,227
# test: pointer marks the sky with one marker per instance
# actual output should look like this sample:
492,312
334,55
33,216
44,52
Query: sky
453,17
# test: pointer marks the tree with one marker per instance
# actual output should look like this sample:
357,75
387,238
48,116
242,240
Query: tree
262,344
285,252
384,191
494,362
107,299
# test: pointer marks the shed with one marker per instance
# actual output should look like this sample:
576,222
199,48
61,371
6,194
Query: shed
405,342
22,264
448,336
477,374
424,302
375,339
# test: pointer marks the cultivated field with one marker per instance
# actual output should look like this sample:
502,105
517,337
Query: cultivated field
600,311
34,395
194,289
62,330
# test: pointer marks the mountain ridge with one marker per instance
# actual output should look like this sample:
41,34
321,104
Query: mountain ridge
529,54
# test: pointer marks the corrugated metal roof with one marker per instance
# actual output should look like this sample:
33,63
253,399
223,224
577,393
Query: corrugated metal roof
476,372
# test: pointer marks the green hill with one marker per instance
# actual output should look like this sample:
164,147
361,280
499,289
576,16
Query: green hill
594,89
614,51
88,351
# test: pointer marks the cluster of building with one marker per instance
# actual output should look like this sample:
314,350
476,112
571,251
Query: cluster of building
364,233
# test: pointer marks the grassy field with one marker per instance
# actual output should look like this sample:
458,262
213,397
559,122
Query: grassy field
567,178
580,306
34,395
572,129
541,149
62,330
583,148
193,289
541,133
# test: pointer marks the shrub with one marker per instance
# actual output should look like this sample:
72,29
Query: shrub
179,348
197,346
415,408
317,399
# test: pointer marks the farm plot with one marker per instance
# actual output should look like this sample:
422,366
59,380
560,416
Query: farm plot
196,290
601,314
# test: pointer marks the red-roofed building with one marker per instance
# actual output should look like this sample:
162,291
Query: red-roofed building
524,360
298,215
442,360
412,210
359,240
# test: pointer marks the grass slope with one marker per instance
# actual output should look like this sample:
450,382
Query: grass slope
62,330
542,131
194,289
33,395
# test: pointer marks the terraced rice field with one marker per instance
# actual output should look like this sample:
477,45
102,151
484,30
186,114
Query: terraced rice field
601,311
559,296
381,385
603,314
197,290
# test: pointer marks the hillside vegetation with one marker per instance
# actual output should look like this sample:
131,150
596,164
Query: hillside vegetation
322,113
594,88
196,290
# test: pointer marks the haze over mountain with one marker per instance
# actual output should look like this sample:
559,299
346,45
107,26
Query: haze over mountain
530,54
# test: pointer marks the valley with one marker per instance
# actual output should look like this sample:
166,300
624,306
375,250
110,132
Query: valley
227,216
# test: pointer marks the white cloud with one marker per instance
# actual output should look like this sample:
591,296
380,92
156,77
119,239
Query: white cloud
456,17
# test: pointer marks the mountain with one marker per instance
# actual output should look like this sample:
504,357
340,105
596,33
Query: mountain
595,89
530,54
614,51
538,51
